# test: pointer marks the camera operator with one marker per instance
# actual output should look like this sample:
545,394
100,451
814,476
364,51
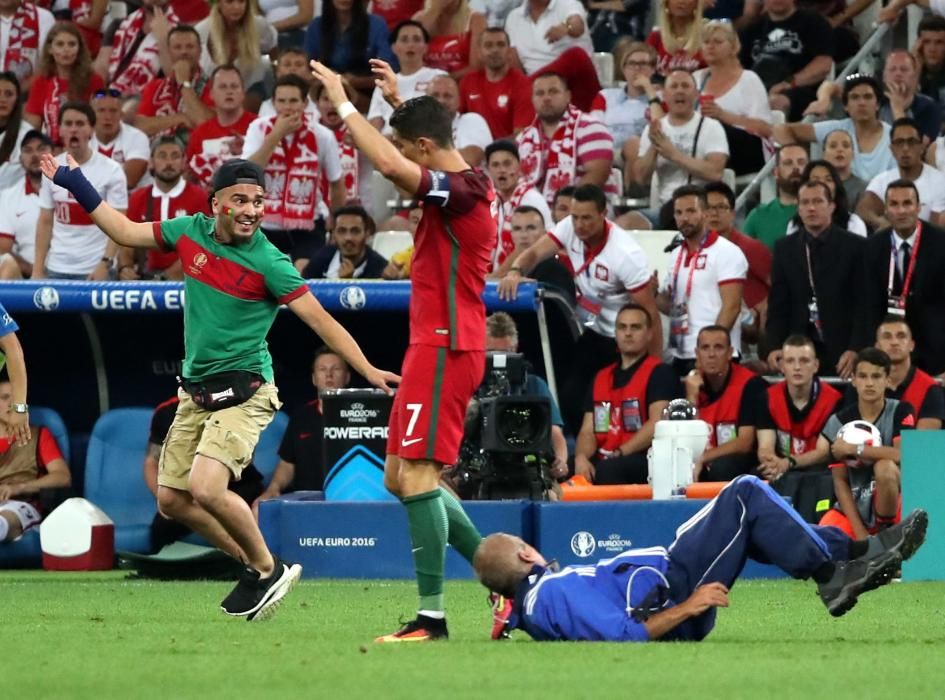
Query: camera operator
623,405
513,444
502,336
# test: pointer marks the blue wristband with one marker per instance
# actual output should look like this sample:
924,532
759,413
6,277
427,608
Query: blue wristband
81,189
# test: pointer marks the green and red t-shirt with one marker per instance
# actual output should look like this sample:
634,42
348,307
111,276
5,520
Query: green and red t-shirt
232,293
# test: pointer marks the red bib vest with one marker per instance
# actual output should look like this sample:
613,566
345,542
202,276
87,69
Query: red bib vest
798,438
624,409
722,414
915,392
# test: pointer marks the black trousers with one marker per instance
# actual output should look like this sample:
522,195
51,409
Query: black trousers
727,468
629,469
592,352
299,243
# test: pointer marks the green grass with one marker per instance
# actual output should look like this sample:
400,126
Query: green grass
102,636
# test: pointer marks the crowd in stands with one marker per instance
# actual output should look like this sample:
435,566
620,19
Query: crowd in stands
845,253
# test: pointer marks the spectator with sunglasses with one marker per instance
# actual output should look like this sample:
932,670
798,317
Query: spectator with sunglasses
65,73
123,143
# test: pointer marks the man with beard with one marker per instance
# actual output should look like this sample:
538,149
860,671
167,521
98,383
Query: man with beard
769,222
609,269
349,256
68,243
170,196
907,148
504,168
235,282
563,145
498,91
19,210
703,283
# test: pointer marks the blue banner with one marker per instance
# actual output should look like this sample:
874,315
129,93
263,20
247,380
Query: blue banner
157,297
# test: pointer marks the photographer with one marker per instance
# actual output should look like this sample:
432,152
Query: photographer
623,405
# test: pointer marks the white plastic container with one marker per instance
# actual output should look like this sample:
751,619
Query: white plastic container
77,536
676,446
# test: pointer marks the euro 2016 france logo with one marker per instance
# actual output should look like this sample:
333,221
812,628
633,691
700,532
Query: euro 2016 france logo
583,544
353,298
46,298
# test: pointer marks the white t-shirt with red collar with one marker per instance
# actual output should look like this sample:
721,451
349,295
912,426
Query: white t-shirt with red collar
130,144
77,244
717,263
19,210
605,277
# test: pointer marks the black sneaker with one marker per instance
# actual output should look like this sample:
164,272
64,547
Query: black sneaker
851,578
906,536
257,598
422,629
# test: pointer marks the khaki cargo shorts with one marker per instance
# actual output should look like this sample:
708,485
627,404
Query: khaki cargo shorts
228,435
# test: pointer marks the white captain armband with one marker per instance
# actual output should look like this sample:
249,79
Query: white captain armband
439,192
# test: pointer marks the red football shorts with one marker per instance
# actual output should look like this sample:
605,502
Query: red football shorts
426,421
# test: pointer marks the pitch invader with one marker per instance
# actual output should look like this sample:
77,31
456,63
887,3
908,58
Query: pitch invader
445,361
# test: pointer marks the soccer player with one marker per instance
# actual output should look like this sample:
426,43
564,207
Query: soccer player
672,595
235,281
445,361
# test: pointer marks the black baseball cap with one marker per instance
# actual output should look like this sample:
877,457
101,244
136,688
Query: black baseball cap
35,134
238,172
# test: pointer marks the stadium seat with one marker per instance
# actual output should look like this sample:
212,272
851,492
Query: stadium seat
389,242
267,449
113,471
654,245
50,418
382,191
113,474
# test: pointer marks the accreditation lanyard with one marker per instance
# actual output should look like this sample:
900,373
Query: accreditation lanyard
907,281
683,251
585,268
810,273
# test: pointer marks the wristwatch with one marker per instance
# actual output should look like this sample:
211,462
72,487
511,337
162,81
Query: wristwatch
859,449
20,408
187,84
791,463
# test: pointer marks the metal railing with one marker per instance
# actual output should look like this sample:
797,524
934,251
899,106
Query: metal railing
849,69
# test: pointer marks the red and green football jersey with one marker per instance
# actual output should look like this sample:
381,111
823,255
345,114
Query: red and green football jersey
232,294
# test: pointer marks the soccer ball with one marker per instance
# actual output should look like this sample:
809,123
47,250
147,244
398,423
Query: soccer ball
860,432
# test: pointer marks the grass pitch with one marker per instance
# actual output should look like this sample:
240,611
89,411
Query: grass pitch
104,636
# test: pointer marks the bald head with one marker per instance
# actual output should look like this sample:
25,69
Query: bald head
445,90
502,561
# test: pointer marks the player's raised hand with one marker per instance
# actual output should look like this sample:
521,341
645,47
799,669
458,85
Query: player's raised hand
382,379
386,80
334,87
